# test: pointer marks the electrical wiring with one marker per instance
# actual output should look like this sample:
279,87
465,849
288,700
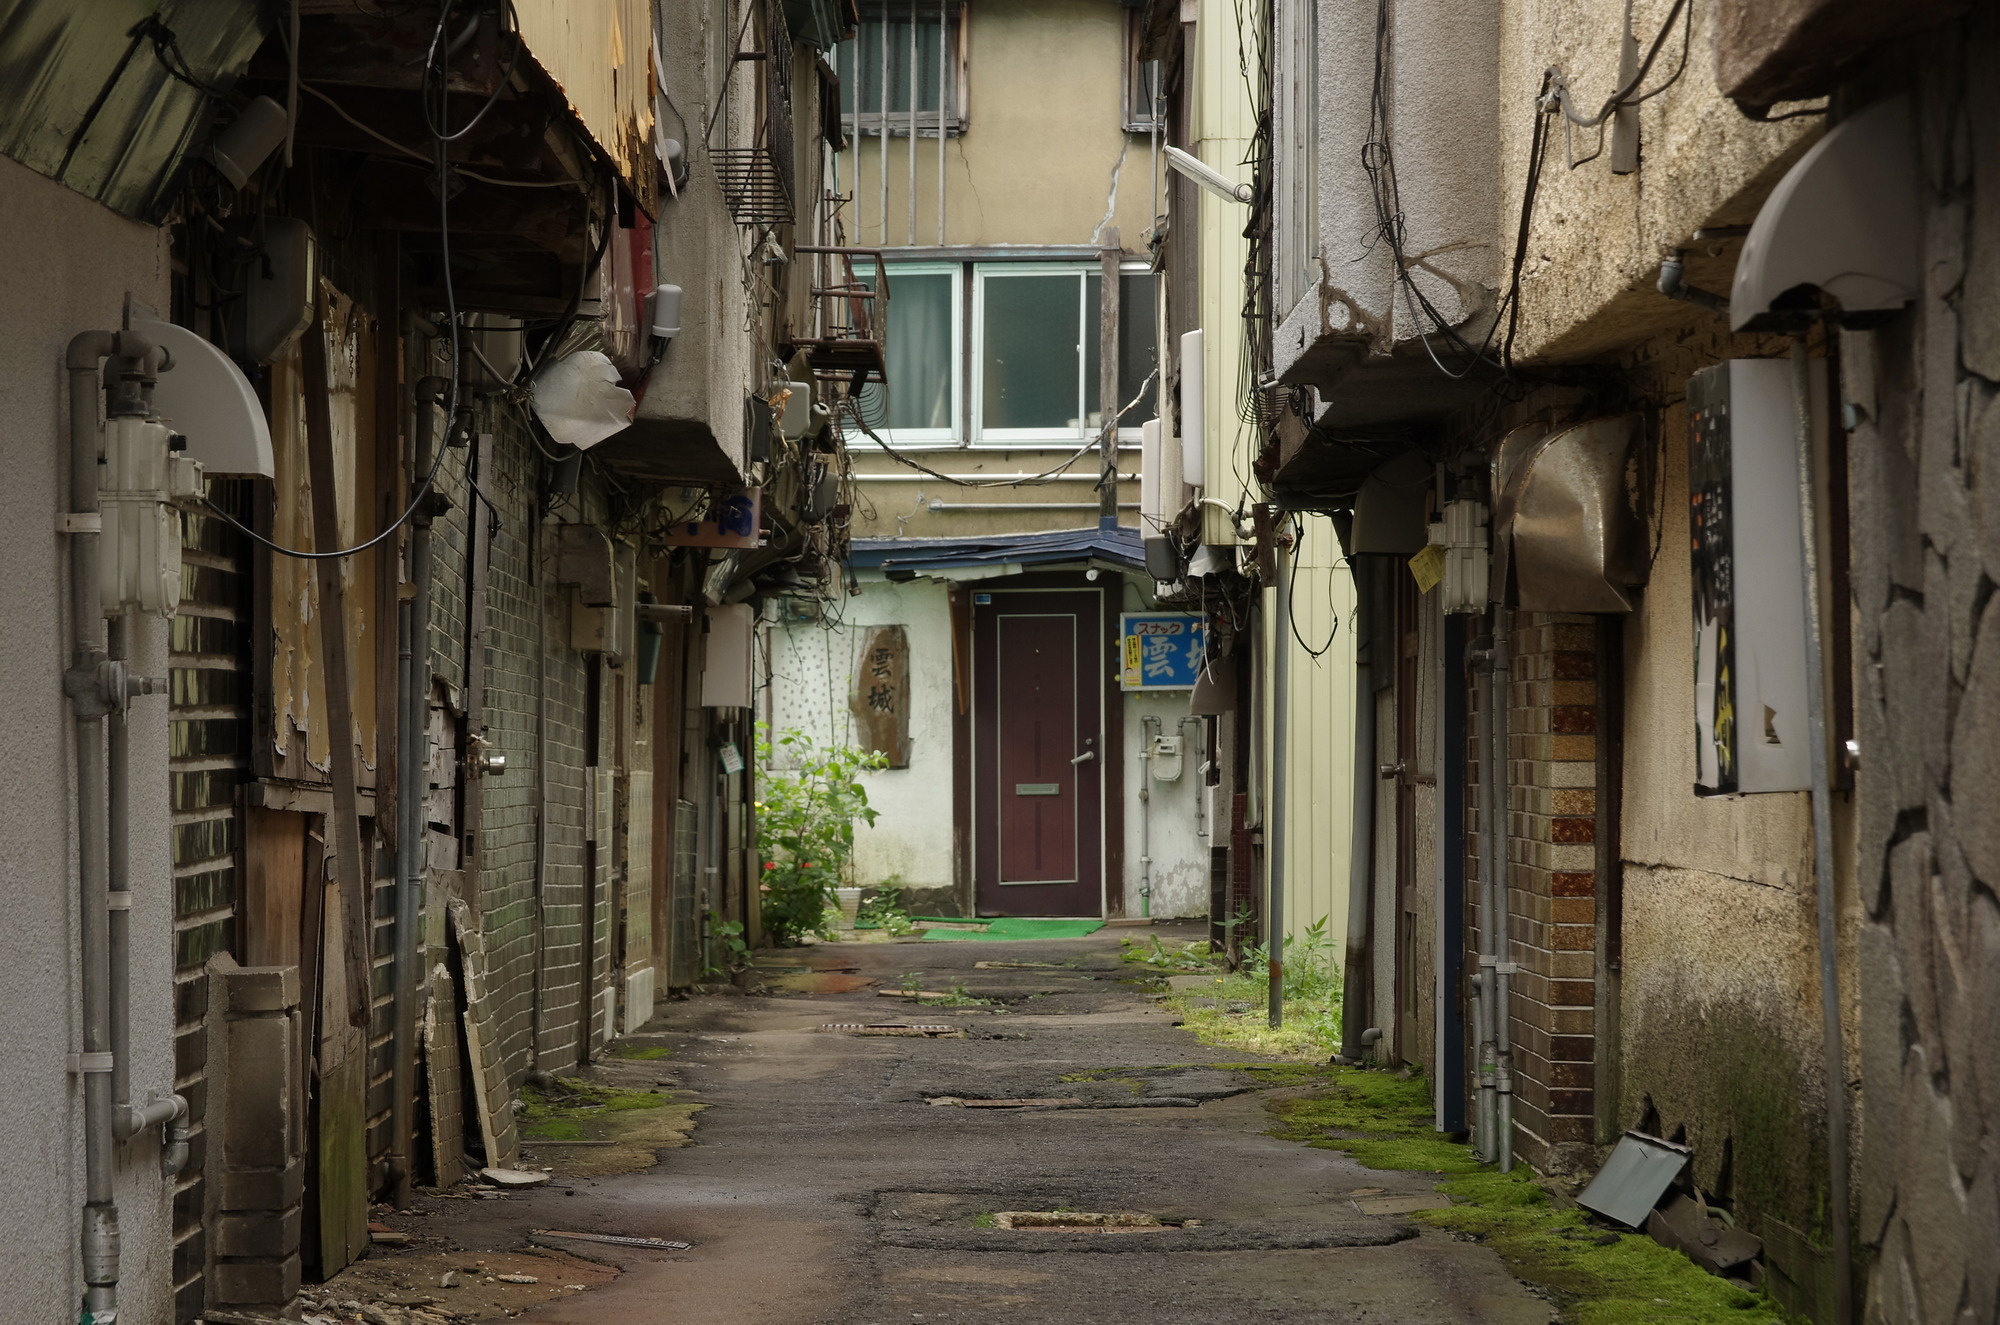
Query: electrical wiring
1292,598
414,155
1557,94
1034,480
418,499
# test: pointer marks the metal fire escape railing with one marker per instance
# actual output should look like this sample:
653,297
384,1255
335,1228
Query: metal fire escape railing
756,179
850,316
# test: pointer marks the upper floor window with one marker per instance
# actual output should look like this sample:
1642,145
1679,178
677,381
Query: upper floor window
908,56
1023,369
1145,96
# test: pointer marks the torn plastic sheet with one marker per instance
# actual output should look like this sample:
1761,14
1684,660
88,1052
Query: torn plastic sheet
579,401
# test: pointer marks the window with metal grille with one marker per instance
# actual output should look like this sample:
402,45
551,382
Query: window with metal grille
904,72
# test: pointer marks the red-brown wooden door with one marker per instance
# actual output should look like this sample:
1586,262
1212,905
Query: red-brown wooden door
1037,757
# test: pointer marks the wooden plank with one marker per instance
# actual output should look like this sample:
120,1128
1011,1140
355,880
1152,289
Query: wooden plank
1107,375
483,1061
340,1138
274,887
349,867
880,701
444,1078
480,528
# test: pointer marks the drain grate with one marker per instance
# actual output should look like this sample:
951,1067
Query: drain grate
931,1030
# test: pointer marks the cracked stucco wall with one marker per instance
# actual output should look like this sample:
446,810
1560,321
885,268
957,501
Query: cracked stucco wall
1044,158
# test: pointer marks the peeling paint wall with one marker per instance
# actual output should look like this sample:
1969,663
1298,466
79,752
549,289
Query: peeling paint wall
598,52
300,735
1044,146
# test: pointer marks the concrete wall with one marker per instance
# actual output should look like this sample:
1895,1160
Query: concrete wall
813,671
71,263
1595,246
1044,158
1926,513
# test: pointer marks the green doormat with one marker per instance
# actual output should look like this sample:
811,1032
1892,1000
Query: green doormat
1003,928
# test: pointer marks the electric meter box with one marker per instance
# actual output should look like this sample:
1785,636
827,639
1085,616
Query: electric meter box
1749,580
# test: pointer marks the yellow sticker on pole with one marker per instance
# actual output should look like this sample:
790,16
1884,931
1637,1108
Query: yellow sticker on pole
1427,567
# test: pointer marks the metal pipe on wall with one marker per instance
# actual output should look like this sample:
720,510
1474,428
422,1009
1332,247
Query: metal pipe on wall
98,686
1149,729
412,786
1361,837
1491,831
1503,943
944,99
882,127
916,83
1276,830
1834,1048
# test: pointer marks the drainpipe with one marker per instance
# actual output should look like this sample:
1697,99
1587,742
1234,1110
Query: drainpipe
1276,829
1491,832
1502,942
1822,822
1200,742
412,784
98,686
1149,728
1361,836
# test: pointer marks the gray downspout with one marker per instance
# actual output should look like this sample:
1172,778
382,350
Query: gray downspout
1275,827
1834,1047
1361,837
1491,832
1503,944
96,686
1149,727
412,784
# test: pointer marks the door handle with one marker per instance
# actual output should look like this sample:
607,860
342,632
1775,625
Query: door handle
1087,754
1390,772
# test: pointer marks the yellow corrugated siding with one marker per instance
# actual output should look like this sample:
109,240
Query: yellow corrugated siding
1224,118
599,52
1320,756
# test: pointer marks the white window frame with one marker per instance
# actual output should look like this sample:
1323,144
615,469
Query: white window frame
948,436
1017,437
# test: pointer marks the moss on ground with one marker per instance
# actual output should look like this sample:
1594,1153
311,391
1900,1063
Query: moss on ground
1596,1277
1310,1033
555,1111
640,1053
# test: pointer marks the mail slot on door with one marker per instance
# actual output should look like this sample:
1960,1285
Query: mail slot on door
1038,788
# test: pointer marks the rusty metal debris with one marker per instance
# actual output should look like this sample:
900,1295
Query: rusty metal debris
933,1030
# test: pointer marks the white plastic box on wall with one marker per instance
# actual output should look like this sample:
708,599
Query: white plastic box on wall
725,669
1749,579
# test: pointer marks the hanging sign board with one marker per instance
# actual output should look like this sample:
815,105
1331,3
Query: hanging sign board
1160,650
881,699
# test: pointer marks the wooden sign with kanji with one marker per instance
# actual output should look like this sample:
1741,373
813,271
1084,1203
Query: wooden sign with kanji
881,698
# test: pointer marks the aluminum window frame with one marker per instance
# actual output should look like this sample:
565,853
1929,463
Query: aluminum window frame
947,437
869,122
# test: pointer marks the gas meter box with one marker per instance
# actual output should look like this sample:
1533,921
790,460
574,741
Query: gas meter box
139,554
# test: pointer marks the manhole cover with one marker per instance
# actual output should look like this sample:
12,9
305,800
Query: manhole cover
932,1029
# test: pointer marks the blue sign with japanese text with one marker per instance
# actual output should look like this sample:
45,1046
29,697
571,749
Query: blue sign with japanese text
1161,650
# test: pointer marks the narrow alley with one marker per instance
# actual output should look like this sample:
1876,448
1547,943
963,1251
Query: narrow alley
822,1181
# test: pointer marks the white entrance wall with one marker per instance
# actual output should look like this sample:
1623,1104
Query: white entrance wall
812,671
812,675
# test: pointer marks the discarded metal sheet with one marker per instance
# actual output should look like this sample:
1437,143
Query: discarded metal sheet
482,1045
1695,1231
1630,1184
444,1078
612,1239
891,1028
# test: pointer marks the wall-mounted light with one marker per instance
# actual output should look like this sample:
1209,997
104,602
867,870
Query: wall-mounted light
1208,176
666,317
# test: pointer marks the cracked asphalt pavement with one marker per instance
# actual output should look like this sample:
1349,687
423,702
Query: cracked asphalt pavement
821,1185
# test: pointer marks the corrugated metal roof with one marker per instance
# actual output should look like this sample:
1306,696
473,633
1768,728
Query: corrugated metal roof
1119,546
109,96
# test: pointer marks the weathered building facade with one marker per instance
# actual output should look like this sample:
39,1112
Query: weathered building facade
1641,369
391,757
